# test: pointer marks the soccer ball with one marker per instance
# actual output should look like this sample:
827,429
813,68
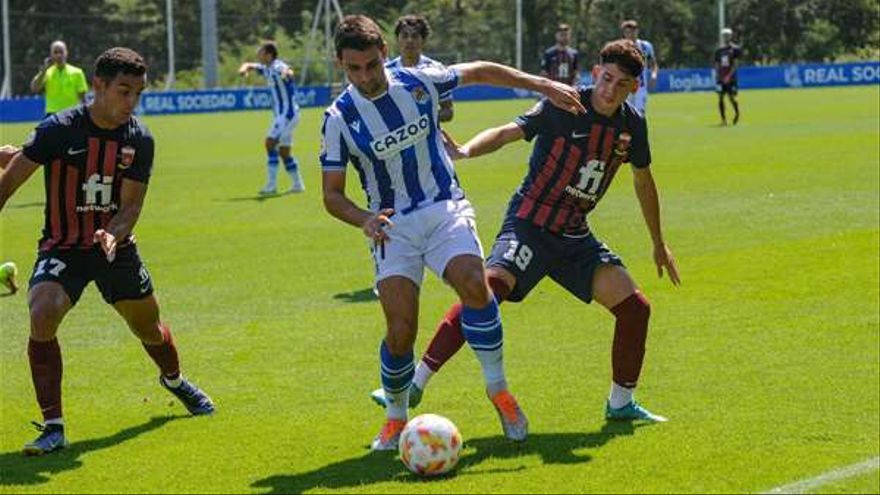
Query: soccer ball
430,445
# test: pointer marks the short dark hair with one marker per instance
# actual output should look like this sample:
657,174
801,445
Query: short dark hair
625,54
270,47
357,32
418,22
629,23
563,27
119,60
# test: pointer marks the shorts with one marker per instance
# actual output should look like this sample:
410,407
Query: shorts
430,236
126,278
530,254
730,88
281,129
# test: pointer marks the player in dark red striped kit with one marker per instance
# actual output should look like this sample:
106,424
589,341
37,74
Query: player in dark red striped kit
545,233
97,160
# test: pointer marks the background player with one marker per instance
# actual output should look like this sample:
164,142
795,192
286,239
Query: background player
279,79
98,160
545,232
412,33
725,74
648,77
385,123
64,84
560,61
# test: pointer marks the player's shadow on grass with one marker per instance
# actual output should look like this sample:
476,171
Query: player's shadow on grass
358,296
16,469
18,206
257,197
379,467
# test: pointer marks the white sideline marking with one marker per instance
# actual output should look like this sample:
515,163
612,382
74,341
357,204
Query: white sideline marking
834,475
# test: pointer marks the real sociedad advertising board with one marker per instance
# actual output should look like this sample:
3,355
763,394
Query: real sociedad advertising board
30,109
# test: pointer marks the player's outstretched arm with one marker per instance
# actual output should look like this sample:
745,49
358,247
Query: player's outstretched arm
131,198
337,204
246,67
562,95
16,173
485,142
646,191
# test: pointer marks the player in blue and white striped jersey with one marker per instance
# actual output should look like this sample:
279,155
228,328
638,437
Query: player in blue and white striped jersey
412,32
285,111
385,123
648,78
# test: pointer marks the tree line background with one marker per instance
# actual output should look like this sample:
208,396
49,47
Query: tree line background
684,32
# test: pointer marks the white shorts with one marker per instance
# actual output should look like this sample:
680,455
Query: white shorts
431,236
282,128
639,99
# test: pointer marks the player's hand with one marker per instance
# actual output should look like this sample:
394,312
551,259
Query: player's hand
107,241
243,70
7,153
375,227
564,96
663,259
455,151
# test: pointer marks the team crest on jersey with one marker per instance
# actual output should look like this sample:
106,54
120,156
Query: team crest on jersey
126,157
421,96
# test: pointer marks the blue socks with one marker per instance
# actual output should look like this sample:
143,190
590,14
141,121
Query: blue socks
397,373
483,331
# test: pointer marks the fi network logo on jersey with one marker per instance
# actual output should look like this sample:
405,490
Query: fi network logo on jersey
401,138
126,157
98,187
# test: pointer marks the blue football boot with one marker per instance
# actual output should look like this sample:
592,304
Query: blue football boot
51,438
631,412
193,398
415,396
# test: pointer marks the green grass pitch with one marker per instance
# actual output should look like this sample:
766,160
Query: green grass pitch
766,359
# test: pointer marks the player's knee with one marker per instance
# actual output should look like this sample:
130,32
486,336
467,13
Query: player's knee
45,318
474,292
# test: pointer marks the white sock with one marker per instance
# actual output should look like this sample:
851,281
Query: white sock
397,405
55,421
620,396
175,382
423,374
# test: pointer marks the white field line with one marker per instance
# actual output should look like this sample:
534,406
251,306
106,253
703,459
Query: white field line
803,486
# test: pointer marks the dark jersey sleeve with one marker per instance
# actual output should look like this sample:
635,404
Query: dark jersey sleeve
44,142
142,167
533,121
640,150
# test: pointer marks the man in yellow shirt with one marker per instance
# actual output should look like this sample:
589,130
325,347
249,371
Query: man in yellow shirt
65,85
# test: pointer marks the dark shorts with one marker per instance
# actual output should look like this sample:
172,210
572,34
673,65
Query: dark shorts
730,88
530,254
126,278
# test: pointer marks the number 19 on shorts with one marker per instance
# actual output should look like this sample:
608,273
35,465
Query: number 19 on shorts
518,253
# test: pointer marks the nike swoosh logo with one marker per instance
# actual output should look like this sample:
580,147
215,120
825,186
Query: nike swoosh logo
577,135
72,152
